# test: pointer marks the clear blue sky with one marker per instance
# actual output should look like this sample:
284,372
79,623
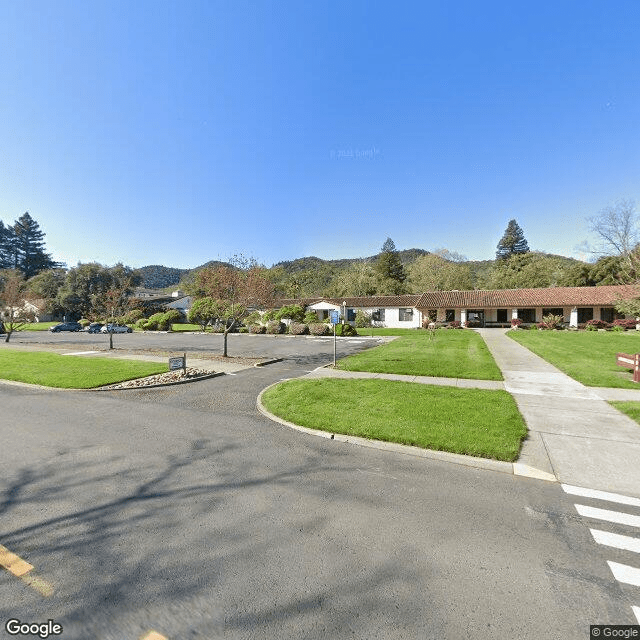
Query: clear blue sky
178,132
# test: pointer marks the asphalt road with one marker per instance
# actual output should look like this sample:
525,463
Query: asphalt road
183,510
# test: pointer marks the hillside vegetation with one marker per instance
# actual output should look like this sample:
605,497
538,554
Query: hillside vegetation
312,276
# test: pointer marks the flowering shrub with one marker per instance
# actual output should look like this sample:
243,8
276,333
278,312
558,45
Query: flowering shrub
319,329
455,324
597,324
626,323
516,322
298,329
542,325
257,328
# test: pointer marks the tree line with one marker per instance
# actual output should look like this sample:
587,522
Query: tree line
93,290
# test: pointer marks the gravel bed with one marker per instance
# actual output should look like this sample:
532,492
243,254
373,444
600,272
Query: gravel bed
170,377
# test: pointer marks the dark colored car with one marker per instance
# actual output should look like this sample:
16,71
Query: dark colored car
94,327
66,326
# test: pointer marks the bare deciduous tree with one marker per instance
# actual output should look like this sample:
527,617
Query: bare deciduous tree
616,227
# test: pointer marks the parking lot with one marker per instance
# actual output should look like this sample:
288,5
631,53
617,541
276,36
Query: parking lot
309,350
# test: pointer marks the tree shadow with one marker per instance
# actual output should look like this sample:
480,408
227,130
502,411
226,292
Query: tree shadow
207,543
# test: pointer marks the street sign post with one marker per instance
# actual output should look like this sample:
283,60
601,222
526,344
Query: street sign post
335,319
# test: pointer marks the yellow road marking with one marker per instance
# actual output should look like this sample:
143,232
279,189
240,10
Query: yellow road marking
21,569
43,587
12,563
154,635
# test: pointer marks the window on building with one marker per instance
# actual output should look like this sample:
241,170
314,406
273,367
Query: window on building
432,315
405,315
527,315
450,315
608,314
501,315
351,315
378,315
585,314
558,311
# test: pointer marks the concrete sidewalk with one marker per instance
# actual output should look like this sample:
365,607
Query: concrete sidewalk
573,432
575,436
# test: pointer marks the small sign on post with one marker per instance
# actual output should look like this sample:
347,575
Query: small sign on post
178,362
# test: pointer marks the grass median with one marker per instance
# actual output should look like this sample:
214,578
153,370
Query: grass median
472,422
448,354
586,356
72,372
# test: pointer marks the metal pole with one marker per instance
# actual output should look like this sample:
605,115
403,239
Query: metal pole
184,365
334,346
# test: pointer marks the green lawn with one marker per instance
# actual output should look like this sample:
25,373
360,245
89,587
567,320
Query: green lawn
632,409
71,372
466,421
586,356
38,326
449,354
384,331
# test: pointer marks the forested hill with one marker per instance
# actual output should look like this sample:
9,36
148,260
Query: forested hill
407,256
312,276
157,276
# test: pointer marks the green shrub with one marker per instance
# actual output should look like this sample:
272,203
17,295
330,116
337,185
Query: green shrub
131,317
293,312
346,330
311,317
142,324
363,319
618,328
253,318
267,316
84,322
153,323
173,316
298,329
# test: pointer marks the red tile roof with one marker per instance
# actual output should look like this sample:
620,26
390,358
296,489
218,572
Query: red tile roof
552,297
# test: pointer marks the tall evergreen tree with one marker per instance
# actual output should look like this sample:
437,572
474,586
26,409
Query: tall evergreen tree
512,242
7,247
30,255
389,265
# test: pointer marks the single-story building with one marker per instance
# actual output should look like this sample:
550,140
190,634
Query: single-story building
577,305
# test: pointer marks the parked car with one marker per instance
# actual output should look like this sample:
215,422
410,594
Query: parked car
66,326
115,328
94,327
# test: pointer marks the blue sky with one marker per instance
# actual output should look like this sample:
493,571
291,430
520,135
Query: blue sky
179,132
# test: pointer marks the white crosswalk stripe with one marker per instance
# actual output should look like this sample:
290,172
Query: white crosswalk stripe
628,542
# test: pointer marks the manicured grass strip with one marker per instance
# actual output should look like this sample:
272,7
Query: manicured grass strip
72,372
586,356
472,422
630,408
38,326
449,354
385,331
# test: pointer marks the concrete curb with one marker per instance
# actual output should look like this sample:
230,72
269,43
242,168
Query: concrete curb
499,466
266,362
